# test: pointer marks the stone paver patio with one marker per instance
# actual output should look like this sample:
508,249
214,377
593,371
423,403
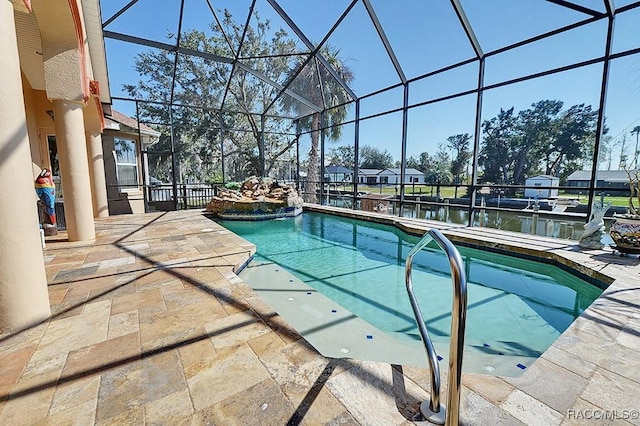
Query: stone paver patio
150,325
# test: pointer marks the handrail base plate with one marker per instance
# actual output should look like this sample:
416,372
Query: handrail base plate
432,417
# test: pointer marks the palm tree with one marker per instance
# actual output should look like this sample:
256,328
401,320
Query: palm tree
316,84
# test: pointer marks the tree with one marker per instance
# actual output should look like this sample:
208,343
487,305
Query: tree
317,85
201,82
536,127
155,69
342,156
411,163
424,162
495,156
540,139
436,169
574,132
374,158
606,153
623,153
441,169
635,130
460,145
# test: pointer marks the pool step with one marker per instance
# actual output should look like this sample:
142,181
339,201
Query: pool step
337,333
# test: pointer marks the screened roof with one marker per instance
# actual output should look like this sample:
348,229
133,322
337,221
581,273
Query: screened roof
308,56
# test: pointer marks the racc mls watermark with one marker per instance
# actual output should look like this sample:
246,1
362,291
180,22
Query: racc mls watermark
598,414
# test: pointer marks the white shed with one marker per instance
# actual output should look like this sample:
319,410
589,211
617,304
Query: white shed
538,187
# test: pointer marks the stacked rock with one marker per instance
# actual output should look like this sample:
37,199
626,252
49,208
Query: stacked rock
255,194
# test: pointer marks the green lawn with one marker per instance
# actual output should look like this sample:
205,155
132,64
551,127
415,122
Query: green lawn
449,192
445,191
616,201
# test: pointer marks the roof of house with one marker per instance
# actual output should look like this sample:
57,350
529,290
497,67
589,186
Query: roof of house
603,175
337,169
368,171
394,171
543,177
117,118
407,171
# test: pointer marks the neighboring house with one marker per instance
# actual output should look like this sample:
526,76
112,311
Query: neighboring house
389,176
614,182
368,176
122,146
542,181
337,174
392,176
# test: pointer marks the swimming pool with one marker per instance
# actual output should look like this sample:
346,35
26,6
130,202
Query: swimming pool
516,307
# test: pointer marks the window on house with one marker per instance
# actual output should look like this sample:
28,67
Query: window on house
126,162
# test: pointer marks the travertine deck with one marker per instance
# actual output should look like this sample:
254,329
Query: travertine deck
150,325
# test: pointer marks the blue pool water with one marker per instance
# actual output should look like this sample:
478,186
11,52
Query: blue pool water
515,306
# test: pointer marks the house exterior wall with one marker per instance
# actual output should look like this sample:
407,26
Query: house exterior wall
612,182
388,178
414,178
367,179
393,179
121,201
32,128
39,125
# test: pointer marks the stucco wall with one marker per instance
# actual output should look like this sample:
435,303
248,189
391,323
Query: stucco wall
131,201
32,127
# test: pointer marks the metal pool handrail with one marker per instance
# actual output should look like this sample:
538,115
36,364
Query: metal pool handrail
434,411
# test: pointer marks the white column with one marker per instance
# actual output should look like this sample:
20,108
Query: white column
24,298
96,174
74,170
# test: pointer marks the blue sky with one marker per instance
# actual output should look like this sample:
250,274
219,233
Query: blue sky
425,36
